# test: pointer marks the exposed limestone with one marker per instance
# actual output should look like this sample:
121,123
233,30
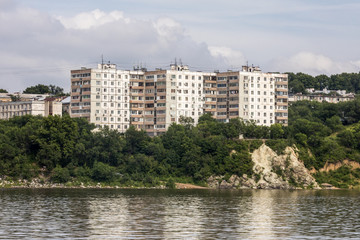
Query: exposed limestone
271,171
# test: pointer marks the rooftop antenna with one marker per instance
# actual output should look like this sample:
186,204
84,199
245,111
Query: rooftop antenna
102,59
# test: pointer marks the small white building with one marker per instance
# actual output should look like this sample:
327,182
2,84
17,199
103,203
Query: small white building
33,107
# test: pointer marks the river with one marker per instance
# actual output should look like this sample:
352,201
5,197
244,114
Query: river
178,214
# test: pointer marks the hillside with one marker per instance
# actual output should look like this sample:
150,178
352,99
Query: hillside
63,150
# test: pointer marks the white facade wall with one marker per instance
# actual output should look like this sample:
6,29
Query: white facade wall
257,97
110,100
186,95
12,109
57,108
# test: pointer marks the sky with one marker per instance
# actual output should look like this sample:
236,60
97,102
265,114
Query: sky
42,40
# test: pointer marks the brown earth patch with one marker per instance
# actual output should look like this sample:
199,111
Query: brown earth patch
334,166
188,186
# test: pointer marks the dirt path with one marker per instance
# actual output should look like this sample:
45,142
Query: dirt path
188,186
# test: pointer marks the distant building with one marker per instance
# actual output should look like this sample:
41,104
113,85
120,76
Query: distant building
153,100
66,105
29,104
7,97
331,96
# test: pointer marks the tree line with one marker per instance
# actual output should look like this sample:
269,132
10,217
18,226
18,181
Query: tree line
298,82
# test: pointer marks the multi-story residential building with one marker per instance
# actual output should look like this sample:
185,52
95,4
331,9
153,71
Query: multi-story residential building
153,100
251,95
169,94
102,95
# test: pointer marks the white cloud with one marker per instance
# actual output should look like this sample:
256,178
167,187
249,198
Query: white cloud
314,64
94,18
229,56
39,48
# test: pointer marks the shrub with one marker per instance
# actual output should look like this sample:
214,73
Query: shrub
102,172
170,184
60,175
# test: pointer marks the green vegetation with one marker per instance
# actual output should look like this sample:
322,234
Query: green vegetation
44,89
63,149
345,81
3,90
66,150
343,177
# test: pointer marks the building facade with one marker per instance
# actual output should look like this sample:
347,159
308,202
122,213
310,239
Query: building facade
32,107
153,100
321,98
249,94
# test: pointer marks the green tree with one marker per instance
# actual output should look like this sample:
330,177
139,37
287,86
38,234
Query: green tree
37,89
44,89
3,90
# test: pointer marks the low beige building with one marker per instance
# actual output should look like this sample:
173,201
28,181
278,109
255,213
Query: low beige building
43,108
321,98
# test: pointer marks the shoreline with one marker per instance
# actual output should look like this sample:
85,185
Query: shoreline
179,186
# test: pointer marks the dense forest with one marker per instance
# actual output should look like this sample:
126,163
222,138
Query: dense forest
64,148
345,81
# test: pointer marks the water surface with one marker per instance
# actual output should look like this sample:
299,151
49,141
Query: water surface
178,214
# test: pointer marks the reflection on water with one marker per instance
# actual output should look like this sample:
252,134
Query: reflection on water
178,214
259,223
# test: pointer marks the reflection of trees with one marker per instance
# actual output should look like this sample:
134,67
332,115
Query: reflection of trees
46,212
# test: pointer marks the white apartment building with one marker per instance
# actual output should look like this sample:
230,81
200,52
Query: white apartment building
248,94
102,95
153,100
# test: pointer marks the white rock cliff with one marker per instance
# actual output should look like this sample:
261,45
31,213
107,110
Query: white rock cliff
271,171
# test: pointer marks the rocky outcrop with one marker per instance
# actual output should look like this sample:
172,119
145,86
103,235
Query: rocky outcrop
271,171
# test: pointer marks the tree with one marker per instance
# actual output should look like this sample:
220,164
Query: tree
276,131
44,89
15,98
3,91
187,122
38,89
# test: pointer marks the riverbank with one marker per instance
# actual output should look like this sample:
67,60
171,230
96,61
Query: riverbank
40,184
